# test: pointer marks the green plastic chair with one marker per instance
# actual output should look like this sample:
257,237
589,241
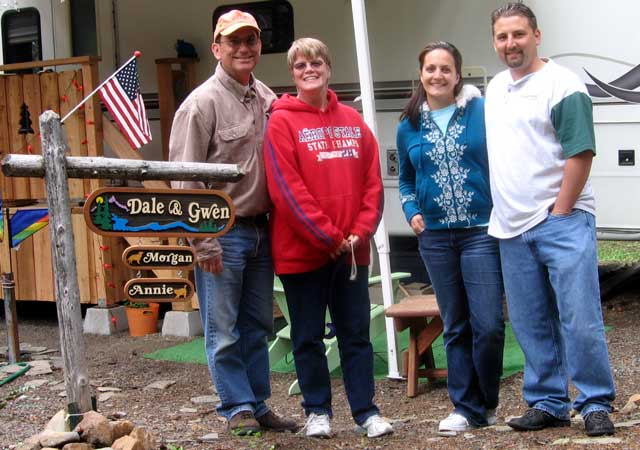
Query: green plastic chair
281,346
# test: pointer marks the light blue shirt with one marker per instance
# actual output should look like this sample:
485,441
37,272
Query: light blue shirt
442,116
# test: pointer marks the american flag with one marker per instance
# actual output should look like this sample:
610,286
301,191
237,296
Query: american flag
121,96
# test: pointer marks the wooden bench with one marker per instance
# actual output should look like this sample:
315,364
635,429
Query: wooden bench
421,315
281,346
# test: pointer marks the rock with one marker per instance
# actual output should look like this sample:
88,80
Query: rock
144,437
120,428
62,393
32,384
501,428
127,443
108,389
588,441
11,369
447,433
39,367
469,436
205,399
31,349
95,429
632,405
209,437
57,422
78,446
630,423
597,440
160,384
117,415
188,410
50,438
106,396
31,443
57,362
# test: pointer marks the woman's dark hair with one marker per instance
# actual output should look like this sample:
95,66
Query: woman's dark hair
419,96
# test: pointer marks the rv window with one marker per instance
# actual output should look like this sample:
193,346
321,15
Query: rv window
275,19
21,38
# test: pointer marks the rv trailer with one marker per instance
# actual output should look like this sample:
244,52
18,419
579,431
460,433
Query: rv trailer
584,35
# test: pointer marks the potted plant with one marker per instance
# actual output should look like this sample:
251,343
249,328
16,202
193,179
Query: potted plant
142,317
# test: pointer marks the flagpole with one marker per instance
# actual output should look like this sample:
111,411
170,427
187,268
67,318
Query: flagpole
136,54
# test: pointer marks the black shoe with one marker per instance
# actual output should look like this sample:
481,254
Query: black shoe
597,423
536,419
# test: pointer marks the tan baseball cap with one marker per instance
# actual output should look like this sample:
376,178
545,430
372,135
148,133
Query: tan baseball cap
232,21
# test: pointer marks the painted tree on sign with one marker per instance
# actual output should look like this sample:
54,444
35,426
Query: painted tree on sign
102,217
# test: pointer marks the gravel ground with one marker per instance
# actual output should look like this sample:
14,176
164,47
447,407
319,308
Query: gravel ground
116,361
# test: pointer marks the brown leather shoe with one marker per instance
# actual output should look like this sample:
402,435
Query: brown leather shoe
243,424
272,422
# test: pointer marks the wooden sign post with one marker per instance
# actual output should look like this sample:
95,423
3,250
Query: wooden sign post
57,168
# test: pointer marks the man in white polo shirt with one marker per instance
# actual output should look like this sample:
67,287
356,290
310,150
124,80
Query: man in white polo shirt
541,142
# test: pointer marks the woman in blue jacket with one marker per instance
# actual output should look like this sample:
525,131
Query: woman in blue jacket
445,195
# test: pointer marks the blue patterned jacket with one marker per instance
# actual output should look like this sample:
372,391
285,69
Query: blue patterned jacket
446,177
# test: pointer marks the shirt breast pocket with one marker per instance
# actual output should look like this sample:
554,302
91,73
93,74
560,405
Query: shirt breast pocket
235,143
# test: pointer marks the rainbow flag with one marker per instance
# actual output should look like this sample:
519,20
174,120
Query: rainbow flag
25,222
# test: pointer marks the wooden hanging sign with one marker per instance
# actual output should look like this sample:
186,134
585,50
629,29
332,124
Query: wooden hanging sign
158,290
178,257
159,212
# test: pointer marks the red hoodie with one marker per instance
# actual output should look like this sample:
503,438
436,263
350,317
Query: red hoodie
323,174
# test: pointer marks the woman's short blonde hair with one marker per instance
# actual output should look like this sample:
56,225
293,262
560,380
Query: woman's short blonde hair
310,48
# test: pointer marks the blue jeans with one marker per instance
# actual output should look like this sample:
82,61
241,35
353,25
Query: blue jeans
553,295
236,308
308,296
464,267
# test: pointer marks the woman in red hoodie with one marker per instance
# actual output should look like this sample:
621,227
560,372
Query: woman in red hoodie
324,179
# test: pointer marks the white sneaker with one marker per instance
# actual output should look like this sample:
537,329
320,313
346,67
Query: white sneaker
375,426
491,417
318,426
455,422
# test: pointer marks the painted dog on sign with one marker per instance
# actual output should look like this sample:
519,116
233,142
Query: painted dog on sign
182,292
137,257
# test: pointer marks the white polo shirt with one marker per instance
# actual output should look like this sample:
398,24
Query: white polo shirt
533,126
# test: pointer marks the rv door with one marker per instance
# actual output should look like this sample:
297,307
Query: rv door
35,30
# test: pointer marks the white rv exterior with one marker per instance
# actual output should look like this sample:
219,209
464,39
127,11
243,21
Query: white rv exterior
577,33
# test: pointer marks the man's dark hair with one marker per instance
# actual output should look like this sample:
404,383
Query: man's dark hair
412,111
514,9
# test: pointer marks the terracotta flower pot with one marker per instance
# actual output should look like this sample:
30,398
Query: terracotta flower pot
143,320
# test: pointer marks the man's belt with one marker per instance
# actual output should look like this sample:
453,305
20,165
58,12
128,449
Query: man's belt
260,220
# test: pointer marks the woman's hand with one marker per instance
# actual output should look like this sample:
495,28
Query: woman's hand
417,224
353,240
342,249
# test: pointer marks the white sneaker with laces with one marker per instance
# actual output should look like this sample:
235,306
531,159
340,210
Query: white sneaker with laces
375,426
491,417
455,422
318,426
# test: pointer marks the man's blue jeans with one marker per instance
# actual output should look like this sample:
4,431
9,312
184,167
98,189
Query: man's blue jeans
308,296
464,267
236,308
553,295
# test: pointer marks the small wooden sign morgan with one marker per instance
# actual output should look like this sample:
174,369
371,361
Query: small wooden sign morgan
159,212
159,257
158,289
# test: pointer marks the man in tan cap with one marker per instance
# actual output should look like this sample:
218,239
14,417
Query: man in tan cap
223,121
